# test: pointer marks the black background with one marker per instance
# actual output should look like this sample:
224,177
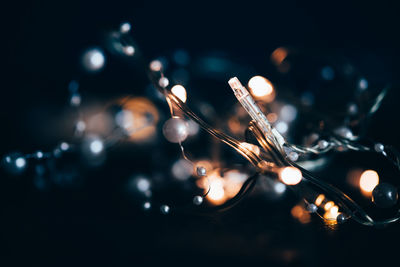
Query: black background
93,226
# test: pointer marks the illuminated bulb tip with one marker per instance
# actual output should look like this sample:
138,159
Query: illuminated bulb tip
234,83
369,179
260,86
180,92
290,175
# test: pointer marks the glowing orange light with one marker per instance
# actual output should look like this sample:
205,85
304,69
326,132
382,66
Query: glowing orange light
222,188
142,120
272,117
290,175
234,125
319,199
261,88
334,210
329,205
279,55
300,214
330,218
217,192
180,92
369,179
251,147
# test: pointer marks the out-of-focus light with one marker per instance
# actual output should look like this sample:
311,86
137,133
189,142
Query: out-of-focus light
234,125
329,205
319,199
64,146
290,175
96,146
217,192
299,213
93,59
124,119
369,179
142,184
181,57
251,147
279,188
180,92
282,127
363,84
80,126
334,210
138,118
272,117
288,113
233,181
279,55
328,73
75,99
20,162
129,50
193,127
163,82
261,88
330,218
182,169
125,27
155,65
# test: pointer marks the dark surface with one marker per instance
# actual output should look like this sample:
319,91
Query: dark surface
94,224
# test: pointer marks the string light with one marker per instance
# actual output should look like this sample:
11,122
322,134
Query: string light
273,155
180,92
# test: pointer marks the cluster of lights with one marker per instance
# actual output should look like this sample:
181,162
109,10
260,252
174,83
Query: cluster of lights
274,156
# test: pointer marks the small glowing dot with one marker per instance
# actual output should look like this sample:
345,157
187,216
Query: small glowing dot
363,84
75,100
93,59
143,184
260,86
279,55
282,127
290,175
163,82
20,162
319,199
39,154
147,205
125,27
180,92
369,179
96,146
64,146
129,50
80,126
279,188
155,65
